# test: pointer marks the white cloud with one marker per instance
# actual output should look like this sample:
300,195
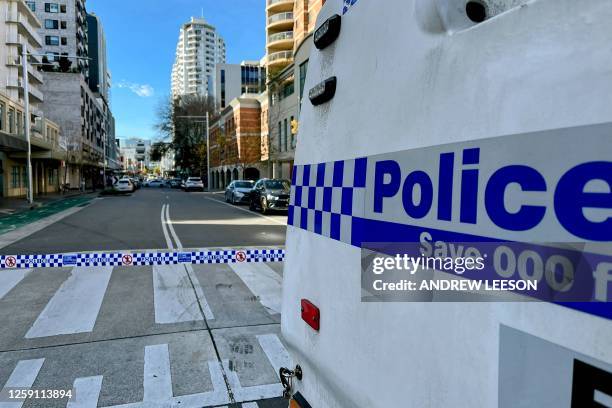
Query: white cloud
142,90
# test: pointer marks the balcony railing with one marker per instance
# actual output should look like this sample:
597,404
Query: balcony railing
273,2
287,35
280,55
280,17
24,26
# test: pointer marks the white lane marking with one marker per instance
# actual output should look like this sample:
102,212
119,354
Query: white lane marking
250,405
75,306
86,392
189,268
263,282
179,245
164,227
226,221
199,293
247,211
23,376
275,351
215,397
602,398
174,298
9,278
20,233
157,377
255,392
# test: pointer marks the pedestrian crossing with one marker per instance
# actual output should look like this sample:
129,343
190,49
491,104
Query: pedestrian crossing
152,320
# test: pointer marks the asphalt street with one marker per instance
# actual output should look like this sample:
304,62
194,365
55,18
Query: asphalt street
133,222
146,336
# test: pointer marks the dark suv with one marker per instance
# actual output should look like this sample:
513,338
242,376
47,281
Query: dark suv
270,194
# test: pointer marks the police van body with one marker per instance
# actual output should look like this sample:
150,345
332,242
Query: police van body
504,122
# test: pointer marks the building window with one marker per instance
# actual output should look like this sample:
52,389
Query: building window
51,8
285,129
303,70
15,177
11,120
52,40
20,127
63,8
280,136
64,41
24,176
31,5
63,25
51,24
2,112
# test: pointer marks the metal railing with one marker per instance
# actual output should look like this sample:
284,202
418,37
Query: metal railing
280,55
287,35
271,2
280,17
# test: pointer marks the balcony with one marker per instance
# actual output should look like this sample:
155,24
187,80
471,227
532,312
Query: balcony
281,41
35,95
279,5
280,58
280,21
24,28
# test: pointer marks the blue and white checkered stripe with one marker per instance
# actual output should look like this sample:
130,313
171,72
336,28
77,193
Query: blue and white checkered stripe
347,5
154,258
325,197
99,259
202,256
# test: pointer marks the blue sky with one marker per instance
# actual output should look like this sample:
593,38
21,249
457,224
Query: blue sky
141,38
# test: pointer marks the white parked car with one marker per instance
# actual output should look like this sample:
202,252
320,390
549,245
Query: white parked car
155,183
124,186
194,183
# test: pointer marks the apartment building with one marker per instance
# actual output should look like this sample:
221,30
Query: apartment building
234,80
19,26
135,154
288,22
199,49
235,142
286,94
63,31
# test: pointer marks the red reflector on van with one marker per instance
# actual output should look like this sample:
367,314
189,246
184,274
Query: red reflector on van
310,314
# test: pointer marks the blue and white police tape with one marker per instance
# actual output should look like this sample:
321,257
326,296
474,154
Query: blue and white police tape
133,258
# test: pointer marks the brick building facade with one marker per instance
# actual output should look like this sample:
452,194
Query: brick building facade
235,143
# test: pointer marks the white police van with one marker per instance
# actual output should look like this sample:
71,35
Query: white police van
450,121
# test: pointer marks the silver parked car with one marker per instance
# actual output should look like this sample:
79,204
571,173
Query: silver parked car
239,191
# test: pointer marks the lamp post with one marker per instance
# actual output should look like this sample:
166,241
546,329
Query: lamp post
26,98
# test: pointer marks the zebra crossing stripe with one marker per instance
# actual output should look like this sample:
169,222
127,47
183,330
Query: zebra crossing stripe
22,377
263,282
130,258
10,278
275,351
157,377
174,299
86,392
76,304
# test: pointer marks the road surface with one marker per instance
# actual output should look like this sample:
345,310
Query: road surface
146,336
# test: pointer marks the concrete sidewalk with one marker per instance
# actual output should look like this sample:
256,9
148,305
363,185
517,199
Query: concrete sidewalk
14,205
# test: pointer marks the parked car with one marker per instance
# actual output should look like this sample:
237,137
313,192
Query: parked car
136,182
270,194
175,183
124,185
239,191
155,183
194,183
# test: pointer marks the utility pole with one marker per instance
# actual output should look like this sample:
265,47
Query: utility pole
26,98
207,152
